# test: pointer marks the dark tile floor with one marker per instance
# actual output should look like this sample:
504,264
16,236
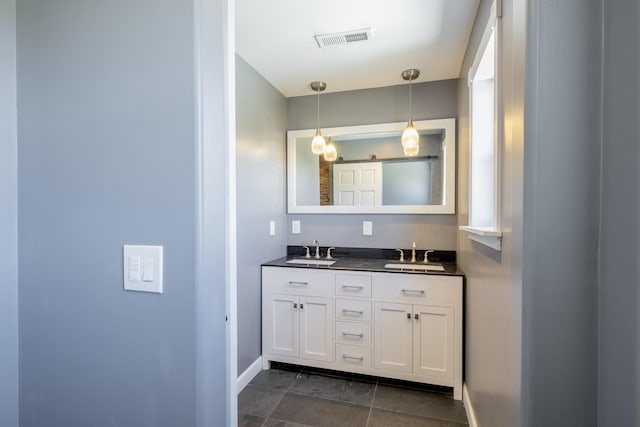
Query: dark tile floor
292,397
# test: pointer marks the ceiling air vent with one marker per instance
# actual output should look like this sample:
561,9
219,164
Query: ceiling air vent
344,37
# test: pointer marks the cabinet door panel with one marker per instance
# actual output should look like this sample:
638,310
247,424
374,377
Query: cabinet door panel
393,337
433,341
283,328
316,328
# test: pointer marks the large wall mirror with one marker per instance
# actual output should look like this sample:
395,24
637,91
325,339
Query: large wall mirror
372,174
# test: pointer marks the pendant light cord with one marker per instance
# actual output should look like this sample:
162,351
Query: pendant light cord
318,108
410,100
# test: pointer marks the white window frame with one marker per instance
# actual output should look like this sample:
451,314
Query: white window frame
488,235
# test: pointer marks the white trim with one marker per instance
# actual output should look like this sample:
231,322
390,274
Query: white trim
215,305
231,211
250,373
489,236
449,168
471,415
484,235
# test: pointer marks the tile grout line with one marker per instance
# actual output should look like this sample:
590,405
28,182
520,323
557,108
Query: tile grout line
375,389
267,418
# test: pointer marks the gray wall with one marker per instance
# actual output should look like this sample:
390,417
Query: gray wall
107,156
493,279
619,370
261,114
434,100
8,219
561,205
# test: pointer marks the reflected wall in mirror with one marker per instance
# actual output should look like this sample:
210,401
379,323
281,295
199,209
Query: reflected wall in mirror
372,174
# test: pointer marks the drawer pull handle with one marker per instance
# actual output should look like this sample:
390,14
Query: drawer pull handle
346,310
353,334
298,283
348,356
352,287
412,291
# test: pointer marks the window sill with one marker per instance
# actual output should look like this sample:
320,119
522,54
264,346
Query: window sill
484,235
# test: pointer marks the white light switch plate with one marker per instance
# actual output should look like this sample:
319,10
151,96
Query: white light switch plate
272,228
142,268
295,226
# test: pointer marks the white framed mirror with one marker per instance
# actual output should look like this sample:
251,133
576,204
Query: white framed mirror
372,175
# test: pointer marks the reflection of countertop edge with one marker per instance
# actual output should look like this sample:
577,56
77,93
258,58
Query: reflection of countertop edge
365,264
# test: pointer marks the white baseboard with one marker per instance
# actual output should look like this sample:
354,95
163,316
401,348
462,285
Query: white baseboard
471,416
249,374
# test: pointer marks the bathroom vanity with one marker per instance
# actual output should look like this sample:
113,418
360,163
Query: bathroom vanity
358,316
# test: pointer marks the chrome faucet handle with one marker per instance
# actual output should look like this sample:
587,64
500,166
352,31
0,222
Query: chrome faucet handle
401,254
329,252
426,255
308,255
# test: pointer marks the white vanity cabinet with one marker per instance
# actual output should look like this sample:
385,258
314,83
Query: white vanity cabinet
297,313
418,325
396,325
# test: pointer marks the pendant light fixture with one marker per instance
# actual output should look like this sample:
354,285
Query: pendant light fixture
318,143
330,152
410,137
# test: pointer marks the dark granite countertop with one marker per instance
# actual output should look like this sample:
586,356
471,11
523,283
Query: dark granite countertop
358,259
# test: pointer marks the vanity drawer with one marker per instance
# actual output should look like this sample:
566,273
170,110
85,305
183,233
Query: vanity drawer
417,289
353,356
354,285
298,281
351,309
353,333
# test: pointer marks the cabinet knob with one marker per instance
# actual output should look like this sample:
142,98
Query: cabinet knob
408,315
417,316
301,306
295,305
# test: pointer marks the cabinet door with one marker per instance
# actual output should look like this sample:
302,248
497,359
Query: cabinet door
433,341
316,328
282,326
393,337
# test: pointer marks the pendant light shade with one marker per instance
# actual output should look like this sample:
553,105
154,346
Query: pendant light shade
410,136
330,152
318,142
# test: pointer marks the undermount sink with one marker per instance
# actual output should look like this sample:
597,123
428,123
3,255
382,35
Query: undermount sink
424,267
311,261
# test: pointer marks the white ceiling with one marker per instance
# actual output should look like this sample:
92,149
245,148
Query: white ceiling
276,38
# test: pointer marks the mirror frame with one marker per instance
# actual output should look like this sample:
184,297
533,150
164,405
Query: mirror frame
449,169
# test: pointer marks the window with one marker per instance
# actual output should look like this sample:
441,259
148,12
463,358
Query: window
485,139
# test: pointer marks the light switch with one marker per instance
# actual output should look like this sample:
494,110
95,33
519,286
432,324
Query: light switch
272,228
295,226
143,268
147,275
367,228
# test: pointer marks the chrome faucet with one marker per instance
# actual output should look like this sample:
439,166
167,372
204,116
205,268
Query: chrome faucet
329,256
413,252
426,255
315,242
